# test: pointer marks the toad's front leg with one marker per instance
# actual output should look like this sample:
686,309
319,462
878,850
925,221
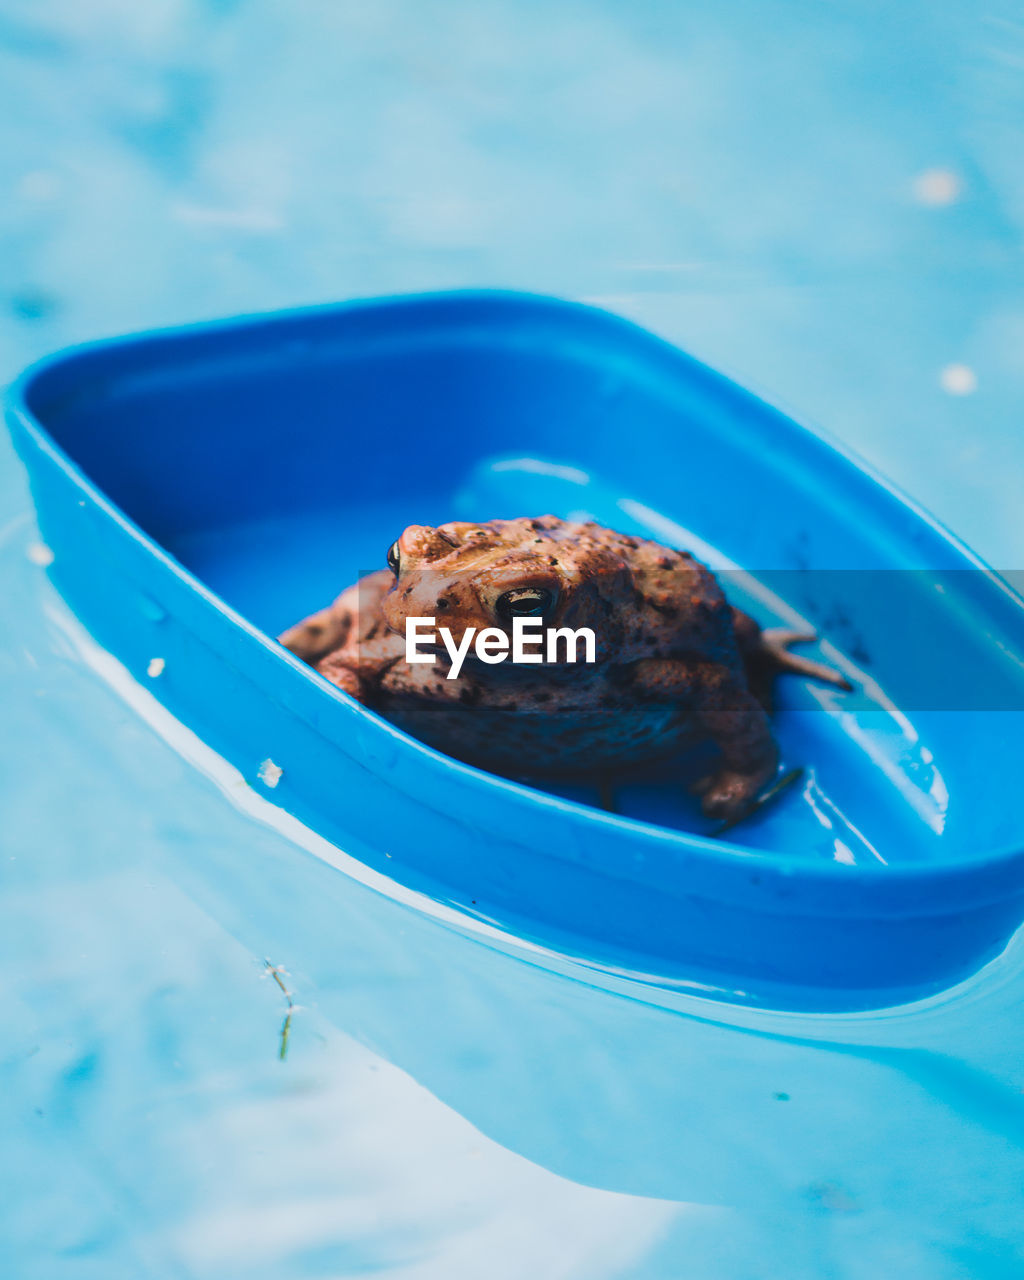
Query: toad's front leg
731,716
349,642
321,633
353,621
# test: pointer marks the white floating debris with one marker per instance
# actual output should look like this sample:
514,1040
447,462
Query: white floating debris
155,668
39,553
937,187
270,773
958,380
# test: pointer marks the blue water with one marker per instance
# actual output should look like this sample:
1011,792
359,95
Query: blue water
826,201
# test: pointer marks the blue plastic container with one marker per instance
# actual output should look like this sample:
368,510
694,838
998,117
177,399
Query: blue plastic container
203,489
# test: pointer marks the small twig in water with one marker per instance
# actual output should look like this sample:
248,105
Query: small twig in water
275,972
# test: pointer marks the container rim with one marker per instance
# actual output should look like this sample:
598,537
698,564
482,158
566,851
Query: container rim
955,875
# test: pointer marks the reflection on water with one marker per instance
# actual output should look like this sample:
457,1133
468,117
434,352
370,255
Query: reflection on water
444,1099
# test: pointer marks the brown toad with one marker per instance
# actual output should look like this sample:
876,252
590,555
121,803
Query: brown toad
675,664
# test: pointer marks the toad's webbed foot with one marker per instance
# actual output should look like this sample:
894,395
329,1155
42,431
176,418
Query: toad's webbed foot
766,654
774,650
731,795
759,801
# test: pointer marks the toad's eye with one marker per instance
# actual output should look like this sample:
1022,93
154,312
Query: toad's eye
524,602
394,558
